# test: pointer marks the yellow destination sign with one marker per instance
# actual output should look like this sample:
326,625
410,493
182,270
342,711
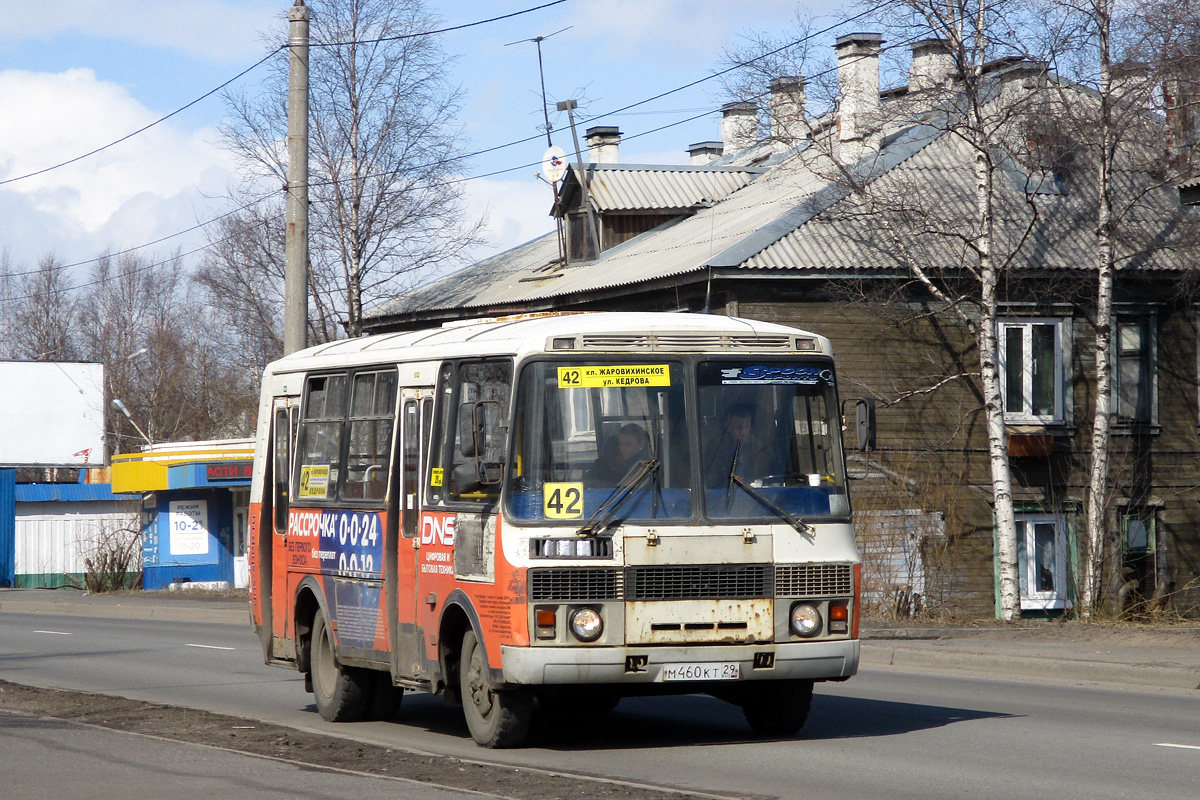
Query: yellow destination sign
314,481
599,377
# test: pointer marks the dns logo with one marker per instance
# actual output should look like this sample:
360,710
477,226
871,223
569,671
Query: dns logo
437,529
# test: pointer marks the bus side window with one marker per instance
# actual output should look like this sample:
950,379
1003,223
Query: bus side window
372,411
281,466
319,449
473,404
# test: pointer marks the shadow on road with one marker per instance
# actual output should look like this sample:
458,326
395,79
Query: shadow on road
690,720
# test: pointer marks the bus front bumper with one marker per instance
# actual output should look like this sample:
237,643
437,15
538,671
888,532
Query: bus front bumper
823,660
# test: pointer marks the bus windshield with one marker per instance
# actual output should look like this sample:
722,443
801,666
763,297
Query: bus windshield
585,429
745,440
769,437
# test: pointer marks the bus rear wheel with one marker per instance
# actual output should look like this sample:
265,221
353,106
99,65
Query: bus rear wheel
341,692
495,719
777,708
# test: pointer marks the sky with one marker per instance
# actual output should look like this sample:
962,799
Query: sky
76,75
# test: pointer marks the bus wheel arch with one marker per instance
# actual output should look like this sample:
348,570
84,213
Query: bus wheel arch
458,617
496,718
306,607
341,693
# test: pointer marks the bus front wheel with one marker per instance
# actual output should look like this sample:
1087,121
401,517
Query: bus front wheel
777,708
340,692
495,719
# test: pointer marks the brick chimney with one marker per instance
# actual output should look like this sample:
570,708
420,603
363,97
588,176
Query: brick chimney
859,107
787,109
739,126
604,144
932,65
705,152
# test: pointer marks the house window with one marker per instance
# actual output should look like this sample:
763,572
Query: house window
1042,561
1031,370
1139,551
1133,372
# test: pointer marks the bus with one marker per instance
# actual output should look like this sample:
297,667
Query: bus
556,511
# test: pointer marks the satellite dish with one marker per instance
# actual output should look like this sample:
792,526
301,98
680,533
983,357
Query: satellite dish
554,164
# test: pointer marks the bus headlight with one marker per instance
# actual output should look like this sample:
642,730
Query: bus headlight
806,620
586,624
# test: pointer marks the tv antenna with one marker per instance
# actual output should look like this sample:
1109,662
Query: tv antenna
542,75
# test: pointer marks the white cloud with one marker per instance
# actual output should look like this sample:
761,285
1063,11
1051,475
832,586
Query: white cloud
210,29
517,211
134,192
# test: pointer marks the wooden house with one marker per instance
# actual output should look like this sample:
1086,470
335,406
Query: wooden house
820,224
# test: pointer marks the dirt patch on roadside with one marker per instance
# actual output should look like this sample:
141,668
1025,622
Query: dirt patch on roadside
310,750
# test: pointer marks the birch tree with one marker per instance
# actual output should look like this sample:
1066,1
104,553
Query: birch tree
384,149
1127,53
948,244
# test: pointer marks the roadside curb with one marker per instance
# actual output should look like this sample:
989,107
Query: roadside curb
895,653
220,614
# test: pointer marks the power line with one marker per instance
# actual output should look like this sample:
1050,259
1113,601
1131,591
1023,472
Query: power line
145,128
453,159
402,36
255,66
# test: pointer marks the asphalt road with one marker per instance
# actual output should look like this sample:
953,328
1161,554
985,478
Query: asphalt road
886,733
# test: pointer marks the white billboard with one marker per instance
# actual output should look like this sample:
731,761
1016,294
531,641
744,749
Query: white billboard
52,414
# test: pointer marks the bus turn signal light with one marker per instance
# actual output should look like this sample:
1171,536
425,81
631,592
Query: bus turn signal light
546,621
839,618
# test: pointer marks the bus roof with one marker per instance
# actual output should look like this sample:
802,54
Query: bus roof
593,333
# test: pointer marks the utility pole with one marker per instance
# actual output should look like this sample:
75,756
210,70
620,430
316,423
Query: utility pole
295,280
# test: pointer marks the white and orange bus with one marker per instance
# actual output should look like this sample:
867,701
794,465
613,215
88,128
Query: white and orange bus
557,510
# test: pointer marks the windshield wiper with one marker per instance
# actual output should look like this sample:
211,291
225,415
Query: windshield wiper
800,525
602,516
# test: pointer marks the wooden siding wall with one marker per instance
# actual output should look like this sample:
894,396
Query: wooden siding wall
933,441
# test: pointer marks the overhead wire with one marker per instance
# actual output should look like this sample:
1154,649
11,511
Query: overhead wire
255,66
440,162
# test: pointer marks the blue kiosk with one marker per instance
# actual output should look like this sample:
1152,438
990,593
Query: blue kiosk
195,508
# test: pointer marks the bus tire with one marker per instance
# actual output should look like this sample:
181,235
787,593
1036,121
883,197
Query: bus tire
777,708
495,719
340,692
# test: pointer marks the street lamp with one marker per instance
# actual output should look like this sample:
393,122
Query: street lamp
121,407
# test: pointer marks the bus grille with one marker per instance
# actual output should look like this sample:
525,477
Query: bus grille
686,342
698,582
813,580
574,583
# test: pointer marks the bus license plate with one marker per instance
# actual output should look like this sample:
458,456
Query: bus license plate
726,671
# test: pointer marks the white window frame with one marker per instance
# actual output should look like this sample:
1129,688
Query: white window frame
1061,375
1032,599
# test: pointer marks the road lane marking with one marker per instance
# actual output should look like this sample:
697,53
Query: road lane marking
210,647
1180,746
54,633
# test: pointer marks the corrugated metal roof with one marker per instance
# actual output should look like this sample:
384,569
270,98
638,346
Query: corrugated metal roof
68,492
631,187
800,215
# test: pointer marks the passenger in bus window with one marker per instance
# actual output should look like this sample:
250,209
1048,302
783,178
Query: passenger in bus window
618,455
735,450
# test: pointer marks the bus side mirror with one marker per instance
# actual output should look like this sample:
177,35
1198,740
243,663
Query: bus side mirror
865,423
474,434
